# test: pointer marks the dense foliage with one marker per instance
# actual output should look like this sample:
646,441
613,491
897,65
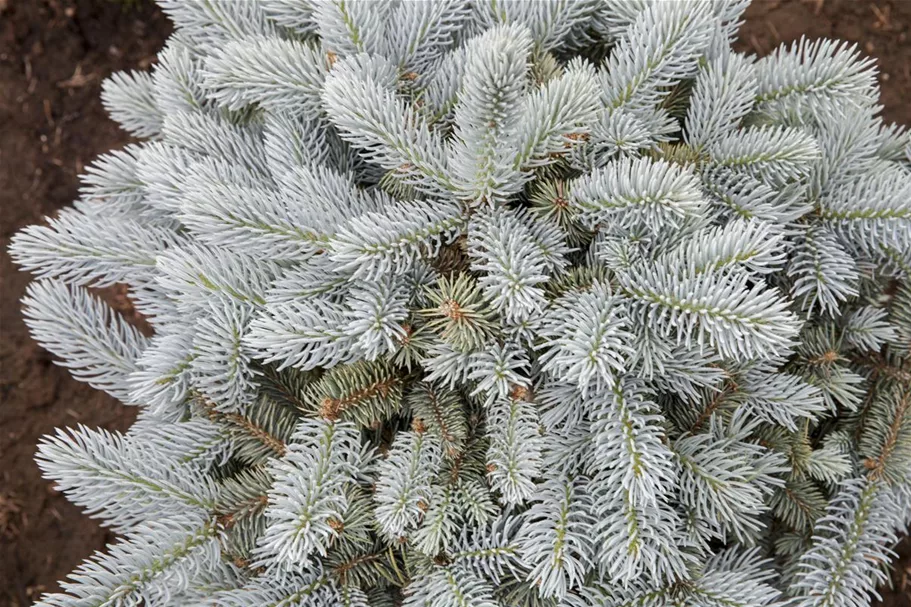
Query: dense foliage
488,303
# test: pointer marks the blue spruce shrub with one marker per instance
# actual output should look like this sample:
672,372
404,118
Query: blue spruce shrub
487,304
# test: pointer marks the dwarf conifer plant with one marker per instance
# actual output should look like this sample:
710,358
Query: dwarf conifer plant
487,304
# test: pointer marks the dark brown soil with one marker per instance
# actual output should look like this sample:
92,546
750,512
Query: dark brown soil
881,28
53,56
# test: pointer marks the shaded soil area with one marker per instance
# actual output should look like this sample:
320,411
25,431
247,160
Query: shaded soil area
53,57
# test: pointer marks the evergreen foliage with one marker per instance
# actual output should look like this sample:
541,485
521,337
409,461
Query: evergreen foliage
559,303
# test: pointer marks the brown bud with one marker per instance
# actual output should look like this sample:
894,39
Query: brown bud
418,425
519,393
451,309
328,409
407,331
336,525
